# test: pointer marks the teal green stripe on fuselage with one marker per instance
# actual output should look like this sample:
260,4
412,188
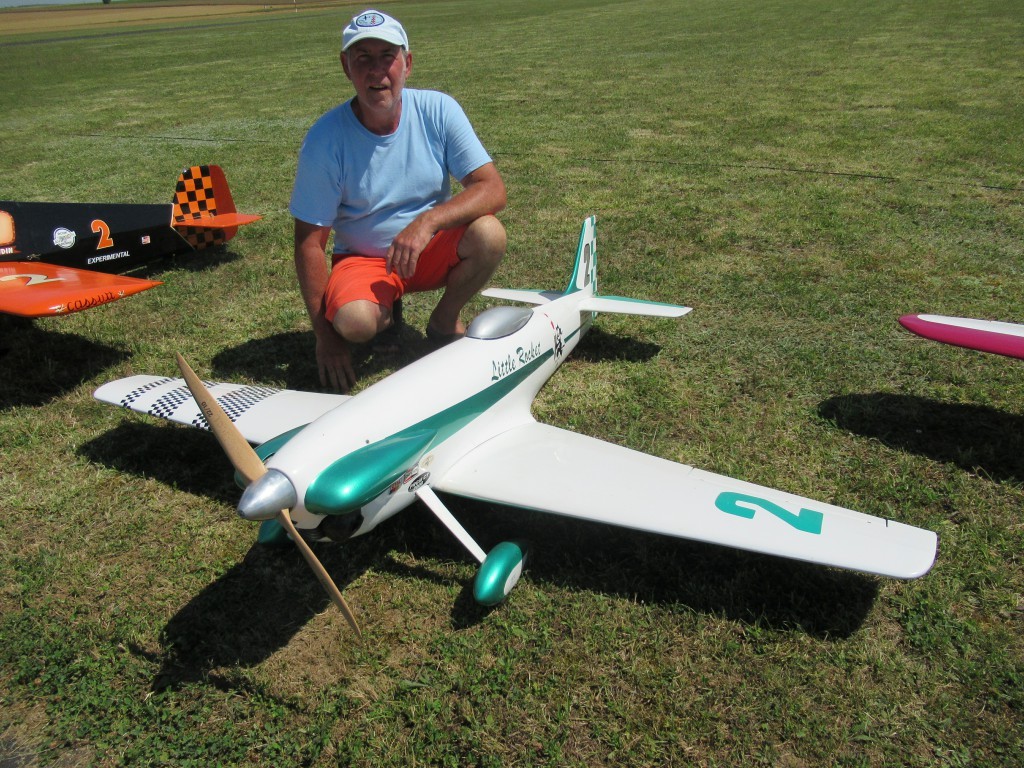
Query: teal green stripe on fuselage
364,474
355,480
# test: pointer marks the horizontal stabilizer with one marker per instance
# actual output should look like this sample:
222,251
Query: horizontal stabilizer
36,289
219,221
626,306
204,209
260,413
527,297
582,477
982,335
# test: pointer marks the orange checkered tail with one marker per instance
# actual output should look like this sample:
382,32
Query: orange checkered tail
204,212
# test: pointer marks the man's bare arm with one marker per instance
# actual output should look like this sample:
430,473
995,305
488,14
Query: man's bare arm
334,360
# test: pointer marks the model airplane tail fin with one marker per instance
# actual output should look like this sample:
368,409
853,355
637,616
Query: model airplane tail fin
584,280
584,273
204,211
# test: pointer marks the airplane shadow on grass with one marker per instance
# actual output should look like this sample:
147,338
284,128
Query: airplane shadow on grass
975,438
643,567
208,258
260,604
38,365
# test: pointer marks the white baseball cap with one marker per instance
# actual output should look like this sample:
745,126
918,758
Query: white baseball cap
376,25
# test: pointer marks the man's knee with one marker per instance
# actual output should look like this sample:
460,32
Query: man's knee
484,239
359,321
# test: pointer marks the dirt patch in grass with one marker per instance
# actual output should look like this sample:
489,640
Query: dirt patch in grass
98,16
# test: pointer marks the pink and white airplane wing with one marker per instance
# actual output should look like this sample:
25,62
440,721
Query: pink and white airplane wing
983,335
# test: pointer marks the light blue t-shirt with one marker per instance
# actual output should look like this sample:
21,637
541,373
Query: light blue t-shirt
369,187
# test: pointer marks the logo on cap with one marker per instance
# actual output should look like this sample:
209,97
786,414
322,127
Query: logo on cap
369,20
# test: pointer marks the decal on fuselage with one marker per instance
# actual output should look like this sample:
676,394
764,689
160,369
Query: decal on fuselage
742,505
7,234
108,257
101,228
405,478
64,238
419,482
522,356
557,344
32,279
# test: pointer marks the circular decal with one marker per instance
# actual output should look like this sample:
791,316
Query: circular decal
369,20
63,237
419,482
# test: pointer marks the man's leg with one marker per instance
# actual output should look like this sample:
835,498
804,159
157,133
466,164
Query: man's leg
480,251
360,294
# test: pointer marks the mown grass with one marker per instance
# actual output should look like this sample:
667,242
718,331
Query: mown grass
800,172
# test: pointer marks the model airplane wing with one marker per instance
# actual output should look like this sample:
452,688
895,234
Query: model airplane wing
983,335
260,413
547,469
35,289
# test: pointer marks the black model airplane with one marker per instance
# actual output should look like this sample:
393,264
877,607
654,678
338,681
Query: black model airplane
57,258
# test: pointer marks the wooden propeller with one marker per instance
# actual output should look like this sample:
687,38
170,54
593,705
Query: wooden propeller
250,466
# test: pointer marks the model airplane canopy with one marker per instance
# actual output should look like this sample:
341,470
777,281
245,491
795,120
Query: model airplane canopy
53,255
459,421
982,335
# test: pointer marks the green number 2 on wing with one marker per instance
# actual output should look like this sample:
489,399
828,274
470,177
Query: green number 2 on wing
742,505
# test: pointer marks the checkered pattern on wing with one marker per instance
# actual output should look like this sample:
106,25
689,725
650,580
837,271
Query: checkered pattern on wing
235,403
138,392
167,404
241,400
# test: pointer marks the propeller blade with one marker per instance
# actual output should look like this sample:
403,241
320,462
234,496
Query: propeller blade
321,573
243,458
250,466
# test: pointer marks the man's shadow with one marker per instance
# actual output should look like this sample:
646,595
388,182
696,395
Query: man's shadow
975,438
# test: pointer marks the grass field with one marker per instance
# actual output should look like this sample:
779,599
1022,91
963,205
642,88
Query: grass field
801,172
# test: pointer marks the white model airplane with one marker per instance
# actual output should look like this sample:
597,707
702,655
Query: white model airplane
458,421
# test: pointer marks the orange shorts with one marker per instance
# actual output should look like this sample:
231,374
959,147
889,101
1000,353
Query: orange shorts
355,277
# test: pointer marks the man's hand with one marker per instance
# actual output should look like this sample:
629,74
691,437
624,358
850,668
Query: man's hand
334,360
404,253
483,192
